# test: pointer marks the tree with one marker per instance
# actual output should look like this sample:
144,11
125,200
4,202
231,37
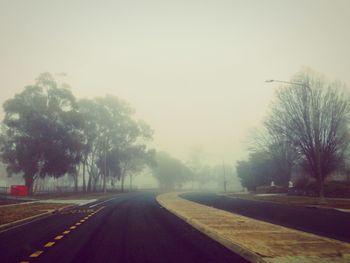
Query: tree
257,171
115,143
195,163
40,135
313,115
170,172
282,155
345,167
244,173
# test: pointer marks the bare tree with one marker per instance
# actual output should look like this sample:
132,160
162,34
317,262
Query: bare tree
313,115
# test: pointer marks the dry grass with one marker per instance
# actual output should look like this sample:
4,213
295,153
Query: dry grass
13,213
9,202
297,200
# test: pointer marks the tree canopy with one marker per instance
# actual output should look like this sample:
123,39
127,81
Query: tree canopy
41,131
48,132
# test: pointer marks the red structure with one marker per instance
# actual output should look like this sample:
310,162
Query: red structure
19,190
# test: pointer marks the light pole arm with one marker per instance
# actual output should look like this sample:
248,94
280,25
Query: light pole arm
289,82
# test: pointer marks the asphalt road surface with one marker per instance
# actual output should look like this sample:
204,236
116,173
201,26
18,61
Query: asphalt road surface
130,228
324,222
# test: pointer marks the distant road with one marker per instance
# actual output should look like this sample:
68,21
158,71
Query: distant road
324,222
131,228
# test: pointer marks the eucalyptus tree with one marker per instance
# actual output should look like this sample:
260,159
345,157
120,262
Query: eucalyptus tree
313,115
41,131
114,140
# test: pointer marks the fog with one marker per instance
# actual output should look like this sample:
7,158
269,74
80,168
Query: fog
193,70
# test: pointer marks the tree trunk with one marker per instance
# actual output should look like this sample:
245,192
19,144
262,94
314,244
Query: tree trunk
76,182
122,183
321,191
130,182
84,182
29,180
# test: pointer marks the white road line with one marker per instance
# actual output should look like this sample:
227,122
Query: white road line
91,206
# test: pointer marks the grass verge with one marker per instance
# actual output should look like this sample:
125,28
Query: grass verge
14,213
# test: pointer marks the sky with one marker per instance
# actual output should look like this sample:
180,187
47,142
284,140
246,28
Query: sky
193,70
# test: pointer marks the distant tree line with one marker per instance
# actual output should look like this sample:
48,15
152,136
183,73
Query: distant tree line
172,173
307,130
47,132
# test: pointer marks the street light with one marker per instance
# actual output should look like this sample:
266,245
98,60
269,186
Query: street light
289,82
316,113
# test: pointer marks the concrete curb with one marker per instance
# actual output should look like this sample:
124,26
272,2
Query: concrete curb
237,249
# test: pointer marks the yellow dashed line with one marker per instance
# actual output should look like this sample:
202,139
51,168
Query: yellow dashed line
36,254
49,244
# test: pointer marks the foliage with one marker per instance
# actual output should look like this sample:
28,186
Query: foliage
170,172
256,171
40,135
46,132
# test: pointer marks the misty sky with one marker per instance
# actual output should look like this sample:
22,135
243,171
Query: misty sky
194,70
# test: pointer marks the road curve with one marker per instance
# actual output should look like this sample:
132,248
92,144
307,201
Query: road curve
130,228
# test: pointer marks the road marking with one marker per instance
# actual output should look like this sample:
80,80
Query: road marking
24,262
86,218
78,224
66,232
49,244
36,254
91,206
58,237
73,227
82,221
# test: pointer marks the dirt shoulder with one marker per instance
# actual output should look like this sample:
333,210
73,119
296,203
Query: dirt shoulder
256,240
14,213
337,203
14,210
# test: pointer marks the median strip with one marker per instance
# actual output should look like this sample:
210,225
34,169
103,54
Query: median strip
255,240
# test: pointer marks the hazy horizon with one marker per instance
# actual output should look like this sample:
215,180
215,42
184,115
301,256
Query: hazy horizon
193,70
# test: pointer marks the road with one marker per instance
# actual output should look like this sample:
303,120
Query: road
324,222
130,228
